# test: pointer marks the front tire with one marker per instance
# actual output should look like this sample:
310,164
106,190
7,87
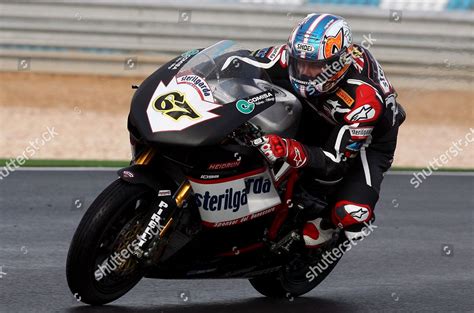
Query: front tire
107,227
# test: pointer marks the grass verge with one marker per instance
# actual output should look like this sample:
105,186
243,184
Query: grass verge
118,163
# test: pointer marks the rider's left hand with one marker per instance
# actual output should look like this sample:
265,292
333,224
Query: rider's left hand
274,147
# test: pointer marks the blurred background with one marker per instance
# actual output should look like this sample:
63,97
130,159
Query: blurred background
70,65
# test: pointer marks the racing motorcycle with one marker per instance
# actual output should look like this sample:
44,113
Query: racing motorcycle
198,199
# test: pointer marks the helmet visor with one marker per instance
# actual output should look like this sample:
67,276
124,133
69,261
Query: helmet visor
315,72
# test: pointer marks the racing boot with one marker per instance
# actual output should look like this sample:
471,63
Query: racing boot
317,232
352,217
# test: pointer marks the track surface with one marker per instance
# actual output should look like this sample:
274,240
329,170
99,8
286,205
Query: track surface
401,267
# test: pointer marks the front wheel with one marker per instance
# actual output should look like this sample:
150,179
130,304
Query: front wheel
100,267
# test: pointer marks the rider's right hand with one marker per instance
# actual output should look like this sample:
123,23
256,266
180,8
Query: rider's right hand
273,147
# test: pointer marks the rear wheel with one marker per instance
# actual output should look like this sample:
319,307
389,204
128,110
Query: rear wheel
100,267
269,285
296,278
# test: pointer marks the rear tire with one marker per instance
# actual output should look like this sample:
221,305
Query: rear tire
292,281
269,285
107,218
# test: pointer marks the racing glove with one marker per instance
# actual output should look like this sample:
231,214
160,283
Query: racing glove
274,147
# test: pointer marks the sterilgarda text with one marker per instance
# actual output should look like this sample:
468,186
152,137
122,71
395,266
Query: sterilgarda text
231,199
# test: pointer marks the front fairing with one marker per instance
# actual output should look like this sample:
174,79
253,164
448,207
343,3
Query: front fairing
199,98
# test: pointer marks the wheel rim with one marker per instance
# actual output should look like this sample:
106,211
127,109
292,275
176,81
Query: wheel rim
118,235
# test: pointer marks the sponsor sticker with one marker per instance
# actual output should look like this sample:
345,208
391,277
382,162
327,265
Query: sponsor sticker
128,174
246,106
341,93
183,58
359,213
184,102
304,47
274,53
209,176
355,146
360,132
154,226
164,193
223,166
363,113
224,201
261,53
383,80
196,82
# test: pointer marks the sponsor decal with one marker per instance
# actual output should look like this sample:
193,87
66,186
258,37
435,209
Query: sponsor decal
246,106
127,174
362,113
243,219
383,80
341,93
183,58
359,213
355,146
209,176
336,107
184,102
357,58
261,53
197,82
164,193
360,132
272,54
304,47
223,166
233,198
174,105
298,160
262,98
154,226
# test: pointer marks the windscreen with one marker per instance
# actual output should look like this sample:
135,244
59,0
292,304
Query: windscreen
230,71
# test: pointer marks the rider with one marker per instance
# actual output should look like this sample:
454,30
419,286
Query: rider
349,127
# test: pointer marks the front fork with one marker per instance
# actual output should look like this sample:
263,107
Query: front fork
165,207
161,219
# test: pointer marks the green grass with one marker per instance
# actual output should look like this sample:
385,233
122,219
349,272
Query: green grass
118,164
71,163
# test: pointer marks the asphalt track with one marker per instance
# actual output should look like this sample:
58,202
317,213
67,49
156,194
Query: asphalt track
419,259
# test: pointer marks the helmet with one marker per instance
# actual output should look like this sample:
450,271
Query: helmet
319,54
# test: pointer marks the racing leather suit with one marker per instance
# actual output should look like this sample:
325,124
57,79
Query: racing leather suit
349,134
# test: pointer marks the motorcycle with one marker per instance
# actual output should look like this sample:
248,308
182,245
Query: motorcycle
198,199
